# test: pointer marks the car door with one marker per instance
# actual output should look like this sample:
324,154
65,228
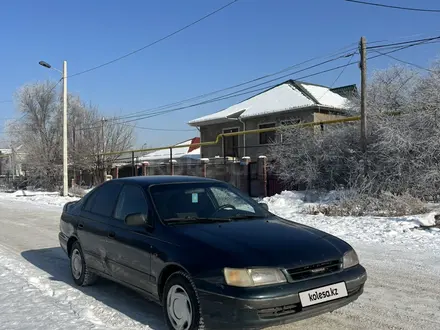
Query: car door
129,247
93,224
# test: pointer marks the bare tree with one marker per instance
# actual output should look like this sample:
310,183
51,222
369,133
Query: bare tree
39,132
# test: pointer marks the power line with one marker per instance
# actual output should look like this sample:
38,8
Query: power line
343,69
15,120
246,90
159,129
421,42
240,92
135,114
394,7
424,40
121,123
140,113
339,76
405,62
217,91
227,96
395,47
163,107
155,42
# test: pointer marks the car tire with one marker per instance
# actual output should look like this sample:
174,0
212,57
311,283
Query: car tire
81,273
181,303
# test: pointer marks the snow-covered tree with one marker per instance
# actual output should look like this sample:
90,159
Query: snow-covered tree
403,142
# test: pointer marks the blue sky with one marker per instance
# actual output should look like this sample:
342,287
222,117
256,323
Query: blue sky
248,39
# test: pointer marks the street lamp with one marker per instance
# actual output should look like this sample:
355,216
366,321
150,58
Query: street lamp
65,171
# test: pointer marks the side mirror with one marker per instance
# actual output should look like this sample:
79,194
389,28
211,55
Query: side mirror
137,219
264,206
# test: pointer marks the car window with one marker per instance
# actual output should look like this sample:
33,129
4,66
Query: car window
90,200
103,201
131,201
203,200
225,197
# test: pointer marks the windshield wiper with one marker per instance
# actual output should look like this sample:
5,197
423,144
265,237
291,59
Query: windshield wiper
187,220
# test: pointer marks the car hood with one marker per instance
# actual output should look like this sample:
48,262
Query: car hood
264,243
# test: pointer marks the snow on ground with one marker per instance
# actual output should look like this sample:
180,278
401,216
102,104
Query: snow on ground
37,292
38,197
27,303
390,230
32,298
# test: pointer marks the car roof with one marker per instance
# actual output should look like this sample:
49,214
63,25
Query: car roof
146,181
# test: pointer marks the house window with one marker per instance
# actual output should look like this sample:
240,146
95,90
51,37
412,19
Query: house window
288,123
231,143
267,137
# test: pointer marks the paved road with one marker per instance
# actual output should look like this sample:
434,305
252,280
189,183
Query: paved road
36,290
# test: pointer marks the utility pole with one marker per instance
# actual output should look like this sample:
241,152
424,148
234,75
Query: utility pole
65,170
363,67
75,155
104,172
102,134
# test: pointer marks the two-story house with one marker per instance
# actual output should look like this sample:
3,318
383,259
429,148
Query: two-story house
287,103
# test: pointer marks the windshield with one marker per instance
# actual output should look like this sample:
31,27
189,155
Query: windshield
203,202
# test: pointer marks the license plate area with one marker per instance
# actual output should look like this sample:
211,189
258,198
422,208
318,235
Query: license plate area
323,294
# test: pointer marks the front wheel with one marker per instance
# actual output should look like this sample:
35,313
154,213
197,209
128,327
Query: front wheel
81,274
181,304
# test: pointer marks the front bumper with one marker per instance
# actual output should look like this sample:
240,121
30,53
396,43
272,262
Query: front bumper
245,310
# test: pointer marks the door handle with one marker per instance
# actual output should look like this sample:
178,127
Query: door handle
80,226
111,234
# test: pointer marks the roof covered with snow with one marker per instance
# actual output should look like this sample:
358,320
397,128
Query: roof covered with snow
187,152
290,95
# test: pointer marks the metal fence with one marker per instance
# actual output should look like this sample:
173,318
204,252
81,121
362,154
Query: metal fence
231,161
252,177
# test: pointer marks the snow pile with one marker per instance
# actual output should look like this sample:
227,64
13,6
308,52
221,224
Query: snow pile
391,230
38,197
299,201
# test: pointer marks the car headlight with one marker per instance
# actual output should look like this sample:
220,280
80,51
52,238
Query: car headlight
253,277
350,259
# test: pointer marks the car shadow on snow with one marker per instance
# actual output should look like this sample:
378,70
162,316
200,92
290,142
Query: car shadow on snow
54,262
